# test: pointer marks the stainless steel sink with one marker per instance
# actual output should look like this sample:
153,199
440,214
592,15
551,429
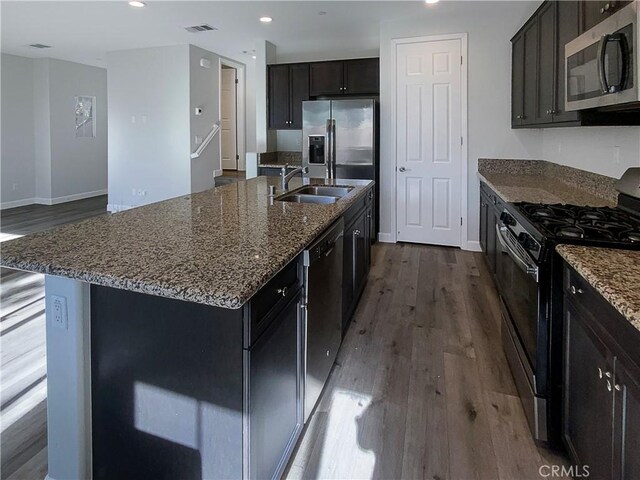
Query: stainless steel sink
306,198
328,191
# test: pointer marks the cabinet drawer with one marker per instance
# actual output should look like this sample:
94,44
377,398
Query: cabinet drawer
272,298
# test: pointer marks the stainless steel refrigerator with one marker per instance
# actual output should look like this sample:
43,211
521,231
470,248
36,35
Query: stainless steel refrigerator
339,138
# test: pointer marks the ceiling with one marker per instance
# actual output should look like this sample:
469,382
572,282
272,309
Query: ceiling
83,31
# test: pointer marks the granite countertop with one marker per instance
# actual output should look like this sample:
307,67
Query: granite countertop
514,187
216,247
538,181
613,273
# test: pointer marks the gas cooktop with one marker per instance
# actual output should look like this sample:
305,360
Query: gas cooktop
582,223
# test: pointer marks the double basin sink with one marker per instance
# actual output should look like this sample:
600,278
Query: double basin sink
315,194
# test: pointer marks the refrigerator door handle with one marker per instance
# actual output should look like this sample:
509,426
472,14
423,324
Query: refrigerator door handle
331,148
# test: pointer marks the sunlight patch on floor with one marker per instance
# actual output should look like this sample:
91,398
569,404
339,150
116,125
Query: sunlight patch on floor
344,422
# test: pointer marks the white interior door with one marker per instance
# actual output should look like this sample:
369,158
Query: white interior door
429,141
228,129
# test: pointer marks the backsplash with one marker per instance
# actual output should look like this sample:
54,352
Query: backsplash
280,158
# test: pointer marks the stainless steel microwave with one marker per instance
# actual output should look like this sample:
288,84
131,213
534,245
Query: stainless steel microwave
601,65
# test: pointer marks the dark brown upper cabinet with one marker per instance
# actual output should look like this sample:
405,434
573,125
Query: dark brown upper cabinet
326,78
288,88
345,77
538,69
594,11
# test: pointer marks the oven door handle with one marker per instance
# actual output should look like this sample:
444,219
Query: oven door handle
522,263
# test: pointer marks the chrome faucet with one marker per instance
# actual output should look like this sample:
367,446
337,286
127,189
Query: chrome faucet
286,177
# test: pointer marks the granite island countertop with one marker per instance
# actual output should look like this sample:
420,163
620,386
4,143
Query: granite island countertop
538,181
216,247
614,273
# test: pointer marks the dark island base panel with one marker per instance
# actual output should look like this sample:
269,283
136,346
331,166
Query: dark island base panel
161,408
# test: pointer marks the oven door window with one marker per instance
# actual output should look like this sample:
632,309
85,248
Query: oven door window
519,291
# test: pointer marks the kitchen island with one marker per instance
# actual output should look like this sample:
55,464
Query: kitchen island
157,320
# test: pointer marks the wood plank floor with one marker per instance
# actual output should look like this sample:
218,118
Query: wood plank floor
23,371
421,387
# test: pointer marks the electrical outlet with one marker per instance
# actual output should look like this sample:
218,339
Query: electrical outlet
59,316
198,140
14,187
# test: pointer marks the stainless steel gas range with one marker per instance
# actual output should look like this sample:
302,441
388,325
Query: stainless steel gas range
529,277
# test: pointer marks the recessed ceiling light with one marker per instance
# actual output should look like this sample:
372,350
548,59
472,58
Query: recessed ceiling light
39,45
431,2
137,4
254,57
266,19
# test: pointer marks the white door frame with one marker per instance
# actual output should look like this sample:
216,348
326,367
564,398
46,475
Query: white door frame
240,109
463,37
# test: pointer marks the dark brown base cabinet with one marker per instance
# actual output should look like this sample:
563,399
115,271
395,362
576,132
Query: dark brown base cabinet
358,228
601,385
491,207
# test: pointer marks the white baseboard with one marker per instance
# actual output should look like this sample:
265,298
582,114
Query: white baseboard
70,198
472,246
114,207
217,173
17,203
386,238
52,201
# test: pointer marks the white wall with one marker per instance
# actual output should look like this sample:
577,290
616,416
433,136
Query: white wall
489,25
149,125
204,91
17,167
78,165
604,150
42,124
41,158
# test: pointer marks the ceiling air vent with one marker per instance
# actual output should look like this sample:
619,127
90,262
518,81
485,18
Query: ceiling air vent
200,28
39,45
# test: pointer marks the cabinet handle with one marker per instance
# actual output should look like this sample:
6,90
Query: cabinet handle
608,385
575,290
520,117
618,387
356,233
283,291
599,372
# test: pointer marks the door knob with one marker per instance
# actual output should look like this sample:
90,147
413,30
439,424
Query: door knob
403,169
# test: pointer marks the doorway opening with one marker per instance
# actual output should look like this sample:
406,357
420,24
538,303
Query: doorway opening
232,119
229,118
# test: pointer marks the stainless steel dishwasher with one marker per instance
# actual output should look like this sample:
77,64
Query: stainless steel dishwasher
323,318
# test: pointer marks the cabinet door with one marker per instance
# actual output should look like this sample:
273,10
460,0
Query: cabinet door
484,204
627,425
492,247
568,28
362,76
546,63
593,13
299,81
275,408
530,35
279,109
360,240
517,81
348,256
587,403
326,78
368,237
